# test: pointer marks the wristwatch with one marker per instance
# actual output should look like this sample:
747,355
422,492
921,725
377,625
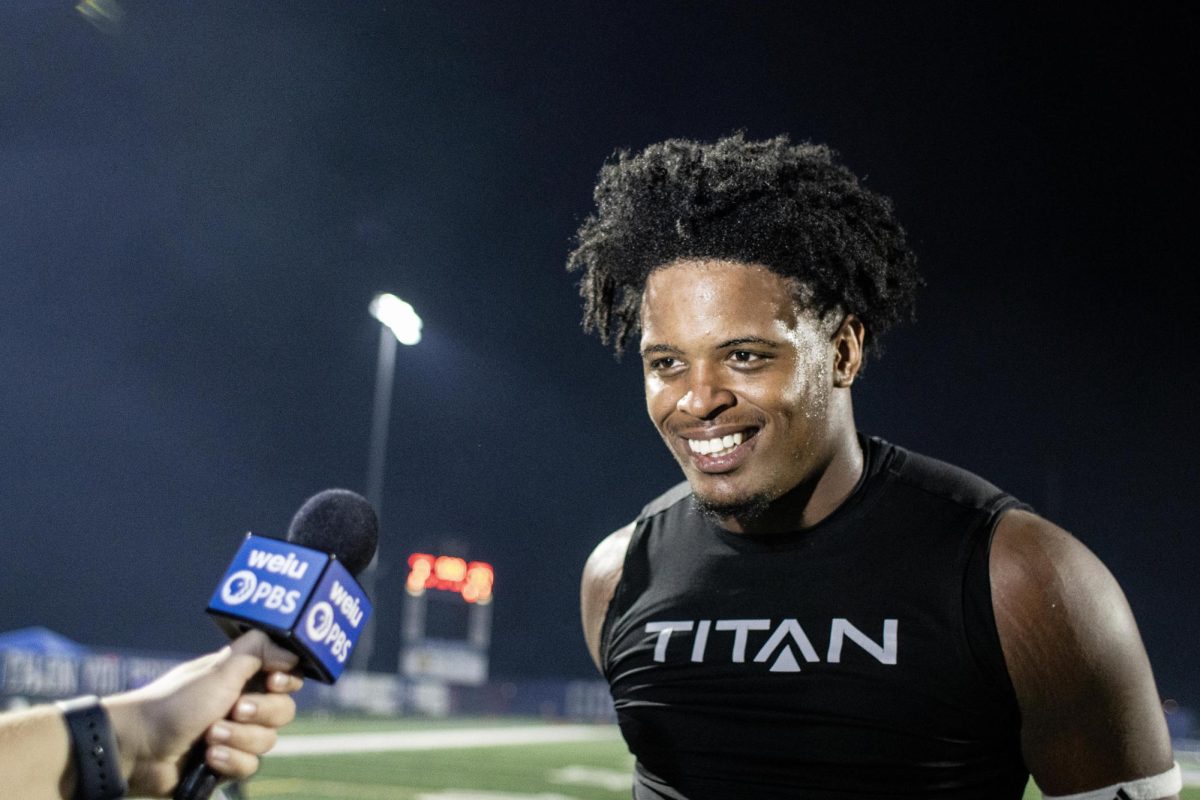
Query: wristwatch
94,750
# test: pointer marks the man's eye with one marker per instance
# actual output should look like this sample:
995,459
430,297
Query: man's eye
666,362
745,356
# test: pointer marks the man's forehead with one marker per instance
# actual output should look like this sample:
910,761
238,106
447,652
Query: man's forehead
719,294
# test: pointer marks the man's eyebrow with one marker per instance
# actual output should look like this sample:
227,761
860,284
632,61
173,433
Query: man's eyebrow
659,348
744,340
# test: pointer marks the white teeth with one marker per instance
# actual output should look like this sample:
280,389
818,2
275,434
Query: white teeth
717,446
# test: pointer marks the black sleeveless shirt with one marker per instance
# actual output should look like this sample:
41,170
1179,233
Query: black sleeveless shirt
856,658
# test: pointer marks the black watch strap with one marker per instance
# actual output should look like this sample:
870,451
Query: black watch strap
97,764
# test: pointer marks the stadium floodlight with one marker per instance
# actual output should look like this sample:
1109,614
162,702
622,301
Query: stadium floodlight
399,323
398,316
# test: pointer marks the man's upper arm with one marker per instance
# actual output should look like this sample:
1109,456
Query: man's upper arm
1090,712
601,574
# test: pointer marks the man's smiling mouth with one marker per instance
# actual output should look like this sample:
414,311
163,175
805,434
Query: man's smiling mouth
718,446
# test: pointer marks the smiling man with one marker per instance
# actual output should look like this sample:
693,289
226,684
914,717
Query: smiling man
817,613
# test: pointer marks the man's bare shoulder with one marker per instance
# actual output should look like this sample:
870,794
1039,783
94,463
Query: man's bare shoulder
601,574
1046,583
1090,711
609,555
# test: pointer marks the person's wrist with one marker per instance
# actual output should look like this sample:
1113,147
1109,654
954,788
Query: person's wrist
97,769
127,725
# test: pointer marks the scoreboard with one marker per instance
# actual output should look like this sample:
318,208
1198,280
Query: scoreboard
472,580
447,619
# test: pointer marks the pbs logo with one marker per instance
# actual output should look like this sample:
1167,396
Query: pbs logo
245,587
322,628
239,587
319,621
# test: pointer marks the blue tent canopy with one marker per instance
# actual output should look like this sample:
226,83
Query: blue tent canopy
40,640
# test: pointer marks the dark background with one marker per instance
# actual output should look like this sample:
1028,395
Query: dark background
198,201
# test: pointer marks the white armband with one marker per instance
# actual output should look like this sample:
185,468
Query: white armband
1152,788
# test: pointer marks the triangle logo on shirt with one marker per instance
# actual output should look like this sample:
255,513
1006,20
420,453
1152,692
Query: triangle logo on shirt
786,662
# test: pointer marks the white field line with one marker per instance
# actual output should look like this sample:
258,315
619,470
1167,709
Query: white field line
616,780
381,742
288,787
389,741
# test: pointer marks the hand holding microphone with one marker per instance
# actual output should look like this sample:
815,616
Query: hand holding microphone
89,747
158,723
289,606
303,595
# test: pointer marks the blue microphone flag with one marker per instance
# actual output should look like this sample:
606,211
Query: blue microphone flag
300,596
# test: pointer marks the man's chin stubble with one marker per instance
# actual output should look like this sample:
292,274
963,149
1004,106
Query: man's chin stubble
746,509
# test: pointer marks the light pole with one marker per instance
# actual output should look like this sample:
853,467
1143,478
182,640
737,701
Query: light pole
398,323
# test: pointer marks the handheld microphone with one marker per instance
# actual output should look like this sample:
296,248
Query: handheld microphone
302,592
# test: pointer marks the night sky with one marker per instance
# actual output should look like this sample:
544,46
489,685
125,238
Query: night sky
199,200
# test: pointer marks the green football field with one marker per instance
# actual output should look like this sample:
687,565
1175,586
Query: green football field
455,760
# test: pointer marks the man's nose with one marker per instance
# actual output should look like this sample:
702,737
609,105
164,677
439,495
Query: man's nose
706,395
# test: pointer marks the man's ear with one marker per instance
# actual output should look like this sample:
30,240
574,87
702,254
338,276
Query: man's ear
848,350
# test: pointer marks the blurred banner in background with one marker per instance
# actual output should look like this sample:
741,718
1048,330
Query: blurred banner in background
38,665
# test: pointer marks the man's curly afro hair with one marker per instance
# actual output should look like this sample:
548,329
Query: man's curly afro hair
788,207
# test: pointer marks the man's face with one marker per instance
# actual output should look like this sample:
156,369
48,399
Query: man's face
738,382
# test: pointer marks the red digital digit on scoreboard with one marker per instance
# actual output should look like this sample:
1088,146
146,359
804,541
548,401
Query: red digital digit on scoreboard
473,580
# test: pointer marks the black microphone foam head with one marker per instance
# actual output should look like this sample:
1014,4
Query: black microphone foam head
338,521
